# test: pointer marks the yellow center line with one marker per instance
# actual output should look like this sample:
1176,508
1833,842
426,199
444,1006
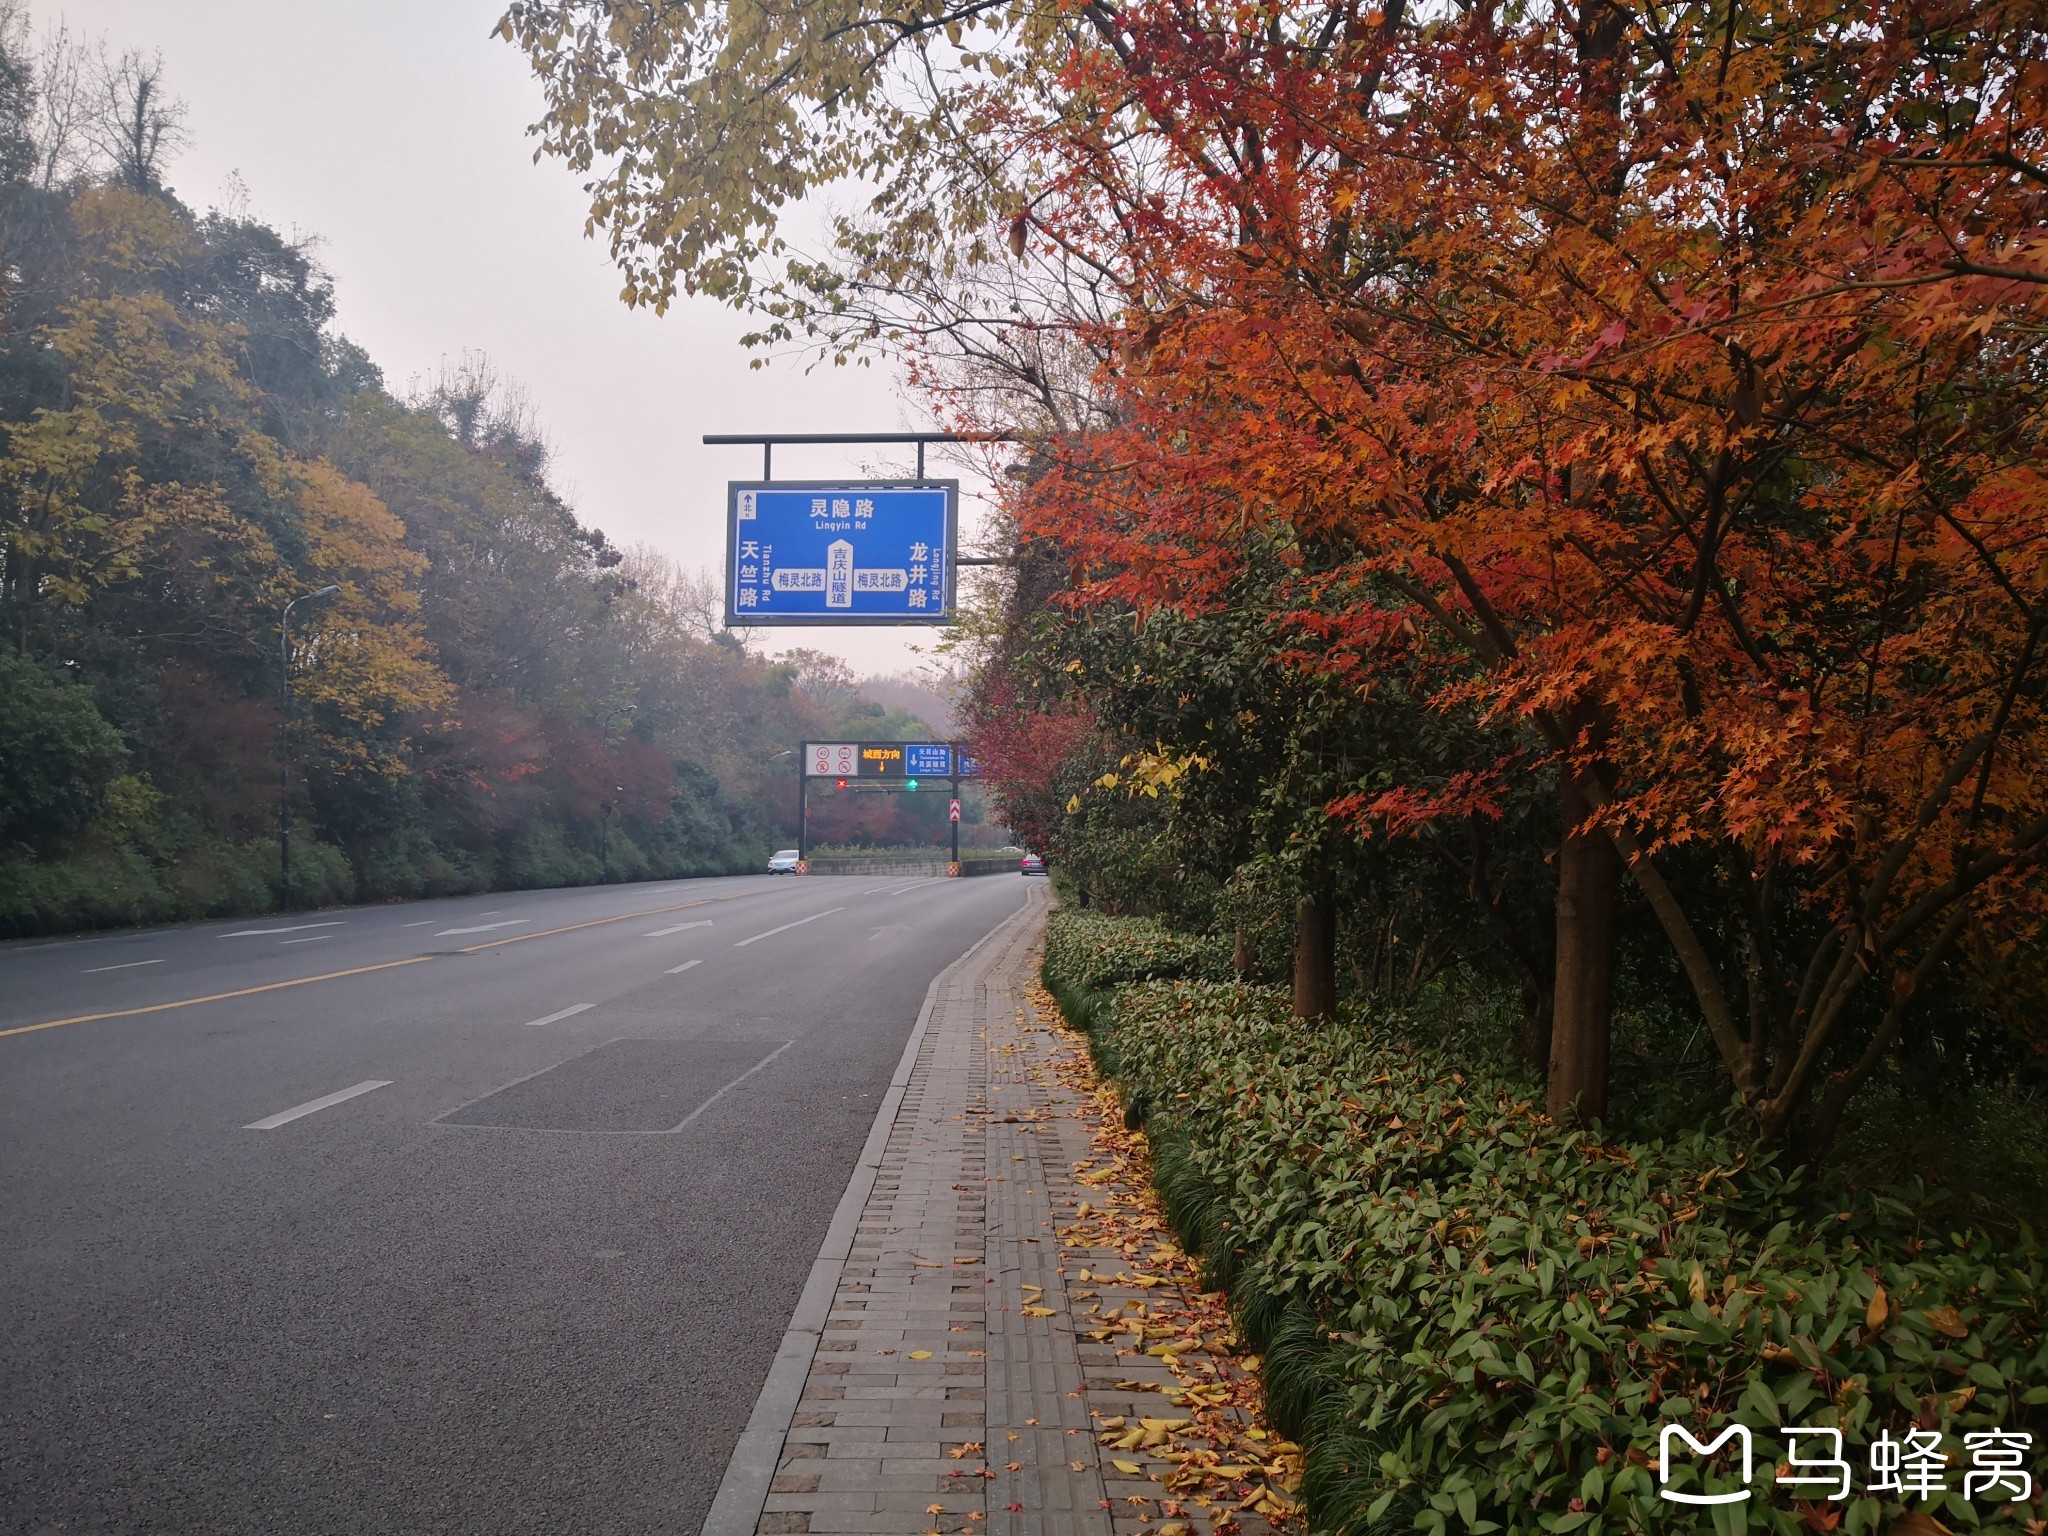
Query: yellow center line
362,970
217,997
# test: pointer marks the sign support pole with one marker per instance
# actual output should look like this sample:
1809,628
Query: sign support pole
803,818
956,821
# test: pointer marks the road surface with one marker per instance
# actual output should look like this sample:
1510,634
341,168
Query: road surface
498,1240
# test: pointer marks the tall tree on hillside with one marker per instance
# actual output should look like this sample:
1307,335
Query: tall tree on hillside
17,95
137,125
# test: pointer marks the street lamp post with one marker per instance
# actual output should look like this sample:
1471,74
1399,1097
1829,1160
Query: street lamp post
604,824
284,770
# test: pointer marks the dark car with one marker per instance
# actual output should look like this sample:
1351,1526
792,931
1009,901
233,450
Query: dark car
1031,864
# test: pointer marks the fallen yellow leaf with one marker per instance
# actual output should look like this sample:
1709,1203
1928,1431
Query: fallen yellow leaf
920,1354
1129,1468
1948,1321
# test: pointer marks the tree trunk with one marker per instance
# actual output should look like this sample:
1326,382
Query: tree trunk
1315,957
1241,953
1582,1002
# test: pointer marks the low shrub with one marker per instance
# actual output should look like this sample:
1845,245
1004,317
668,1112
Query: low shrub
1478,1320
102,886
1092,951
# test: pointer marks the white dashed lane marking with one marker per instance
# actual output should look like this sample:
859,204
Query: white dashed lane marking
555,1018
314,1106
757,938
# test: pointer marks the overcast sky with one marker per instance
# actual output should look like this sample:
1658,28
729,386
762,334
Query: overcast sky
394,132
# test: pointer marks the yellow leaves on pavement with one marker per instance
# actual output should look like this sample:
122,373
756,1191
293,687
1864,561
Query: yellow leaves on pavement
920,1354
1214,1449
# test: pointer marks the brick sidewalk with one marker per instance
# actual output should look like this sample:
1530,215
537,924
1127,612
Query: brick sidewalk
936,1377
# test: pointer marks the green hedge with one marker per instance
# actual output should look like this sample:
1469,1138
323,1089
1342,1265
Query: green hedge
1475,1320
1091,951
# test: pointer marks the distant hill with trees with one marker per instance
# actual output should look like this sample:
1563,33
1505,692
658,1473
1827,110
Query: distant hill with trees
491,695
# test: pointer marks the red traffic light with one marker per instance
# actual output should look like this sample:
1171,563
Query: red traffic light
842,783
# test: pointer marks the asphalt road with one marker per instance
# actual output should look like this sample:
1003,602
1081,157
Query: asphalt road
530,1282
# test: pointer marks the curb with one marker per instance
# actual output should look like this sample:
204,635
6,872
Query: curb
743,1490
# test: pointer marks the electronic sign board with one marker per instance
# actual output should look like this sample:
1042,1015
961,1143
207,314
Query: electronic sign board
881,760
887,760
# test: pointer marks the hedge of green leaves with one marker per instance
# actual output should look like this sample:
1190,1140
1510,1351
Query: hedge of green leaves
1480,1321
1090,951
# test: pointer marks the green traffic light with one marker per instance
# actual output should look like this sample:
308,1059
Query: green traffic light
910,783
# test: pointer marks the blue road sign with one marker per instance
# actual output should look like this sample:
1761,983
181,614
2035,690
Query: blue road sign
928,760
840,552
969,767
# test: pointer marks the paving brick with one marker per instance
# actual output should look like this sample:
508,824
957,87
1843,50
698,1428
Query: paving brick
819,1499
957,1235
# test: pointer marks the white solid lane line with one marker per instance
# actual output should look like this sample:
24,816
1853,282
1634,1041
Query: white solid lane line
662,933
743,943
315,939
253,933
677,970
510,922
313,1106
420,924
555,1018
129,966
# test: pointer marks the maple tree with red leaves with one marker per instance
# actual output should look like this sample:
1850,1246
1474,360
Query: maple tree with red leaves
1021,750
1683,370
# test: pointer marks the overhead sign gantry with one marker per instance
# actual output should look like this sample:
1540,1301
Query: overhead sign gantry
843,551
901,766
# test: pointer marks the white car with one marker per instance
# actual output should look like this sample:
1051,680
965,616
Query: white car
782,862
